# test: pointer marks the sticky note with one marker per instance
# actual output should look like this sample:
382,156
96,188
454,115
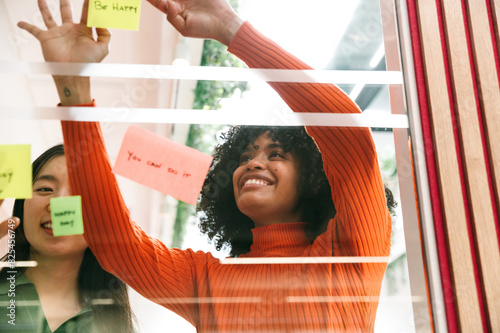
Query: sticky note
162,164
15,171
66,215
118,14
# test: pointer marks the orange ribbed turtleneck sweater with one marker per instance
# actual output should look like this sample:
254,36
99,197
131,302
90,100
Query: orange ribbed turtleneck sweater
218,297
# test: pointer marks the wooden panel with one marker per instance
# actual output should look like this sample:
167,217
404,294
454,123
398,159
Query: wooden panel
447,163
484,59
495,9
472,146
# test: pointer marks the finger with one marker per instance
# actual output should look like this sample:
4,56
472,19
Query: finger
178,22
35,31
9,224
172,8
85,12
46,14
103,36
160,5
66,11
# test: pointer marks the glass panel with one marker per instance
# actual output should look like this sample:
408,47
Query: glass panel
330,35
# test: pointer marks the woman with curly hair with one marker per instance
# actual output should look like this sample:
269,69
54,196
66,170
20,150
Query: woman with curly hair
266,197
223,221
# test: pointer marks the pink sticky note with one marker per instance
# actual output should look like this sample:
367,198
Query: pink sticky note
162,164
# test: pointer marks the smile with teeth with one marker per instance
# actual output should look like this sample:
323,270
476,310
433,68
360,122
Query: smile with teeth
256,182
47,225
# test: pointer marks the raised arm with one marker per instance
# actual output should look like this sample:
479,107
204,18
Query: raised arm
121,247
349,155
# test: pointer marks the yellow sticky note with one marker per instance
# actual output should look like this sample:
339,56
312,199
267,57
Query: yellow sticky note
118,14
15,171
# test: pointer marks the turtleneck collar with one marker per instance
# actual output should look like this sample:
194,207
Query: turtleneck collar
279,240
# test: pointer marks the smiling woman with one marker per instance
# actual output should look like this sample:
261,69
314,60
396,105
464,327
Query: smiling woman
59,293
265,183
51,182
285,157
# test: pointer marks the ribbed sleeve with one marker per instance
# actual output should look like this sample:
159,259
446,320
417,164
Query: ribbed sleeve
120,245
252,298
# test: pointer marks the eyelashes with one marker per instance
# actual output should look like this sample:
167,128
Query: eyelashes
273,155
43,190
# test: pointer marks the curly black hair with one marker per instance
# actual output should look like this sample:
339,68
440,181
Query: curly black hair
220,218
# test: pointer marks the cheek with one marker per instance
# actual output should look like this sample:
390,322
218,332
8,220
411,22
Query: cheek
236,176
33,211
29,213
79,242
293,177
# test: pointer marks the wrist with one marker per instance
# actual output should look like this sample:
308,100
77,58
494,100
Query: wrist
230,29
73,90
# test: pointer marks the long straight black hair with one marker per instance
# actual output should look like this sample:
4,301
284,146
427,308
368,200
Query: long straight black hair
104,293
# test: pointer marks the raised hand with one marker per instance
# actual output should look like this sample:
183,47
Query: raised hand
68,42
213,19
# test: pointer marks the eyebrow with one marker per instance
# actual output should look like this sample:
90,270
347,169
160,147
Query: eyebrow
45,177
275,145
250,146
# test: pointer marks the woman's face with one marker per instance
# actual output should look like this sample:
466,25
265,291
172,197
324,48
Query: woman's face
265,183
51,182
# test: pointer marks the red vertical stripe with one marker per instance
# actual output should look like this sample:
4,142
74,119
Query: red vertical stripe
458,147
444,261
474,251
494,41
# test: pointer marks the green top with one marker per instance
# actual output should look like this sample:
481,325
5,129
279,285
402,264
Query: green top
21,310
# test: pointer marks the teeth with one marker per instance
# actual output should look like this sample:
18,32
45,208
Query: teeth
47,225
256,182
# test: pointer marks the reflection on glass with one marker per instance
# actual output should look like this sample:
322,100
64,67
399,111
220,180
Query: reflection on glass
355,44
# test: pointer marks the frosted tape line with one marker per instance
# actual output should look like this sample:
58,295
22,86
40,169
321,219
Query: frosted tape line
18,264
363,299
303,260
201,73
206,300
189,116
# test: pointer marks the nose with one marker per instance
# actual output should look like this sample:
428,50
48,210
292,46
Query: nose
256,163
64,192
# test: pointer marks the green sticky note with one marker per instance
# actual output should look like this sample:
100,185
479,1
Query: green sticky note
118,14
15,171
66,214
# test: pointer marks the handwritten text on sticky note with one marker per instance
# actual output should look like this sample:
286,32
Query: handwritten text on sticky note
118,14
15,171
162,164
66,215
